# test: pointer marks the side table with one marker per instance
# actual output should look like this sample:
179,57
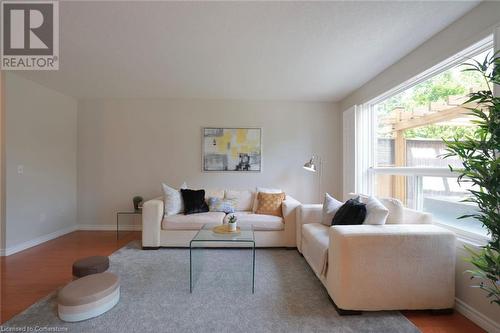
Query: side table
137,212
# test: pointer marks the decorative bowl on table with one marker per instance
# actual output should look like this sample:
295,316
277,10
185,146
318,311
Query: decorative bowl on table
224,229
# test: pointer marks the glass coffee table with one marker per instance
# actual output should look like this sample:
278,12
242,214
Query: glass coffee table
207,238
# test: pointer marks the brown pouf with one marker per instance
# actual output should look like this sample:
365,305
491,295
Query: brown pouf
88,297
90,265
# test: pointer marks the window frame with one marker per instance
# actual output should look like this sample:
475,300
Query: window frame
464,55
475,49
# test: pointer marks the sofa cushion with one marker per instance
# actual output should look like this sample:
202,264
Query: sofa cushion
315,240
214,193
258,221
330,207
221,205
263,190
270,203
396,210
351,213
395,207
194,201
376,212
244,199
172,199
192,221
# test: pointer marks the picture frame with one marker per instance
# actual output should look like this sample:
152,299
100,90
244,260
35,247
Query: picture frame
232,149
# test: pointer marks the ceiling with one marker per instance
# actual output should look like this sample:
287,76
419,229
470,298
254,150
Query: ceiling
299,51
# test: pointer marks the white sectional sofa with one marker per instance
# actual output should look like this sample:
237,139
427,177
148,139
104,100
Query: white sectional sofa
178,230
380,267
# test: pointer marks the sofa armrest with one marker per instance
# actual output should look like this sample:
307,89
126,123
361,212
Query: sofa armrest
307,213
289,208
391,267
152,215
411,216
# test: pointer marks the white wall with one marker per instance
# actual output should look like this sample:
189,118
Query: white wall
472,27
40,136
2,163
496,88
471,301
127,147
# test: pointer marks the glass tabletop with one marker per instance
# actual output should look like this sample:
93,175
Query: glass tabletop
130,212
206,234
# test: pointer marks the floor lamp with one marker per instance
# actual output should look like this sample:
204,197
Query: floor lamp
314,165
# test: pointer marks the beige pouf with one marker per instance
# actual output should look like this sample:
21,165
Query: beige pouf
88,297
90,265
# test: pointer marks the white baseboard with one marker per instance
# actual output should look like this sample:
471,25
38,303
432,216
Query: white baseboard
42,239
477,317
109,227
37,241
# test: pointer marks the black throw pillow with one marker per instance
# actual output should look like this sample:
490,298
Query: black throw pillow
352,212
194,201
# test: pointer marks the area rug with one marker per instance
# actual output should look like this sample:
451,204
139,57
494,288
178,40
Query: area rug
155,296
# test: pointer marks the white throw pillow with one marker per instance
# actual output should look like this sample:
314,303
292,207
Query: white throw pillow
330,207
214,193
376,213
244,199
172,199
263,190
396,210
362,197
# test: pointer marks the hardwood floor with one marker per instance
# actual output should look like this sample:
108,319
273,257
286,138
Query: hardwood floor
32,274
429,323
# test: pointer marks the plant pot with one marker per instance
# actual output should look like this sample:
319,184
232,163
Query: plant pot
231,226
137,203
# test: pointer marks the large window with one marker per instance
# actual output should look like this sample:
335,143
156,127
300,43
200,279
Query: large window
411,124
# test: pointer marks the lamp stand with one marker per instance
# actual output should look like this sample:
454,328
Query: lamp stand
320,171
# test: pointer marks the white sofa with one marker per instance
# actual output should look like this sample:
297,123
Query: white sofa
178,230
380,267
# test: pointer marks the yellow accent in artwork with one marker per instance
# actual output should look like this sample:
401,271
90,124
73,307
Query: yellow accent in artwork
244,148
241,135
238,141
223,141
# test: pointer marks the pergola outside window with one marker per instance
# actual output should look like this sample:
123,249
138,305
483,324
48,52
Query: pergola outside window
409,130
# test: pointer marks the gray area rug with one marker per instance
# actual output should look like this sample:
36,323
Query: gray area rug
155,296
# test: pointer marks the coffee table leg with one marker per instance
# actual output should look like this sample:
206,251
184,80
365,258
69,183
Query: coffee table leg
253,270
190,269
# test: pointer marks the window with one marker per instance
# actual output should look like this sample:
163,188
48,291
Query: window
411,123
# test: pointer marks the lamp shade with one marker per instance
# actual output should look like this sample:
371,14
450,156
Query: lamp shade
310,165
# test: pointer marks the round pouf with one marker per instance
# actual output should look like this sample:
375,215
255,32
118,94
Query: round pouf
90,265
88,297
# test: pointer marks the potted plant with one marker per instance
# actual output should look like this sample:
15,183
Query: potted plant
232,223
480,155
137,200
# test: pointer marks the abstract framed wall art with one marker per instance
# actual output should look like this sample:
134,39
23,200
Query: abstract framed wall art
232,149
